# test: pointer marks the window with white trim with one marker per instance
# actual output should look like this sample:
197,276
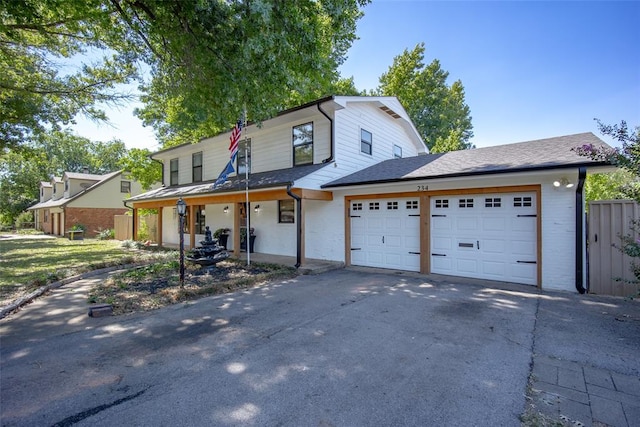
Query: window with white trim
303,144
196,165
442,203
173,172
366,142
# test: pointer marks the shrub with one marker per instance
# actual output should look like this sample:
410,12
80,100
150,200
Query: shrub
106,234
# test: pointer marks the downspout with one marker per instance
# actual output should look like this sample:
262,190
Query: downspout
298,225
133,223
330,158
582,174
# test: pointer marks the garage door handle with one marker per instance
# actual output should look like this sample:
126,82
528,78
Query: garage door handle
438,254
382,239
356,249
478,243
526,262
414,253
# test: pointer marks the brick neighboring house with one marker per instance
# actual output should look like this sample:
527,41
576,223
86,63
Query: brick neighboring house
82,199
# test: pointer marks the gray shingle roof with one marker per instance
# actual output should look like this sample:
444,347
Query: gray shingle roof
540,154
269,179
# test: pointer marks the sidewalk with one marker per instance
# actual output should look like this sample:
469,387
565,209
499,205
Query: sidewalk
586,360
62,310
585,394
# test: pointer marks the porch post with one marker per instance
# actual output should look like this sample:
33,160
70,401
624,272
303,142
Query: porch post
159,233
236,230
136,225
192,226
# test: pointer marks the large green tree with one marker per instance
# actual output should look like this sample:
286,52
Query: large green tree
212,60
438,110
44,82
206,61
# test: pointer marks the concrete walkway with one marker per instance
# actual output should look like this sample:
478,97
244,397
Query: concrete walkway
347,347
586,360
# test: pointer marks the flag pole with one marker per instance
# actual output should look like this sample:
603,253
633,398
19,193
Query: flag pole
246,178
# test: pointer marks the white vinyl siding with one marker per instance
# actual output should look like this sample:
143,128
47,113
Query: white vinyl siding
386,131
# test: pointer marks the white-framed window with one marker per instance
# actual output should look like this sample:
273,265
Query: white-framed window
286,212
196,165
173,172
397,151
366,142
303,144
125,187
465,203
442,203
520,202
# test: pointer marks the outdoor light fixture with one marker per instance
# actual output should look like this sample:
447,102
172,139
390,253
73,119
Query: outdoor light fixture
257,208
562,182
226,209
181,206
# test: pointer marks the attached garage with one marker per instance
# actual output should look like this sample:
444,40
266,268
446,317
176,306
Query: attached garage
511,213
485,236
385,233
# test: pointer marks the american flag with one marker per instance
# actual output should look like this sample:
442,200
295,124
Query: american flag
234,139
233,152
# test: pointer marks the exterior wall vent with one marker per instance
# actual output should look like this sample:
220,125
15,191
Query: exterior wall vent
390,112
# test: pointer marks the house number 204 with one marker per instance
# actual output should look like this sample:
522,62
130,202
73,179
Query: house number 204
423,187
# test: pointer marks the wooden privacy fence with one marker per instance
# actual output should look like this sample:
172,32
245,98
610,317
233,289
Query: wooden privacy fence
123,226
609,269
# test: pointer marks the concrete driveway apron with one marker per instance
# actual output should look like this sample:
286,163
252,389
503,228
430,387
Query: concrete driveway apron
344,348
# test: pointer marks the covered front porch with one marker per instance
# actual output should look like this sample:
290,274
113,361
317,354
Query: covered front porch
279,233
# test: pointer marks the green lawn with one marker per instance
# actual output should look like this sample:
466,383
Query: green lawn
26,263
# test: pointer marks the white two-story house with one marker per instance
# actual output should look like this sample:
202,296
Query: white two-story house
349,179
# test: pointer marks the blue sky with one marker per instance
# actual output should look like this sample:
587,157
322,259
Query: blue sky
530,69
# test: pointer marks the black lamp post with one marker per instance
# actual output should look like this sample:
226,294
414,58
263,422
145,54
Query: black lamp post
182,209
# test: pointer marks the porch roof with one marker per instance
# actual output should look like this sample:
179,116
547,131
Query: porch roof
261,180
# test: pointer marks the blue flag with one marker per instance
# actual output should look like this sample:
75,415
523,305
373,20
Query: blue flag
222,178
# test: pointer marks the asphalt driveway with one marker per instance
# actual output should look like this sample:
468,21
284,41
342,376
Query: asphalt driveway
344,348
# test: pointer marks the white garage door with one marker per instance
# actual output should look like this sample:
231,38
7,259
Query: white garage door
385,233
488,236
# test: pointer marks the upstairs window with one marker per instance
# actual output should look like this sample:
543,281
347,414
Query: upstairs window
366,142
303,144
173,172
196,164
125,187
243,161
397,151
